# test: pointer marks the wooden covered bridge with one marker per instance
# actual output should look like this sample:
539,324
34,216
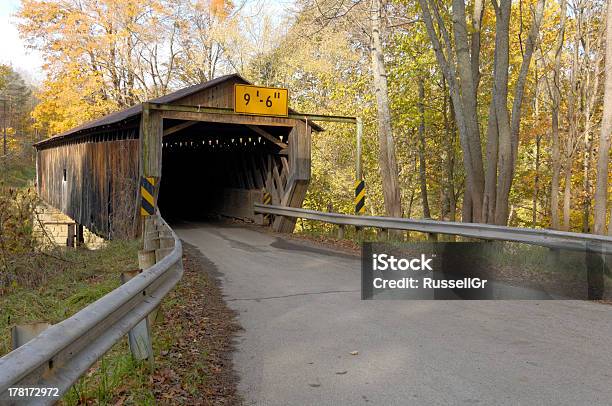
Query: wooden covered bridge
201,156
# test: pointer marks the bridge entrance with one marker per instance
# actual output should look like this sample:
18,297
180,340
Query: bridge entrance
221,169
210,160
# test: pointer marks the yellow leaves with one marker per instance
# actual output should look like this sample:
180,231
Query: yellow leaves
5,71
220,8
16,215
71,99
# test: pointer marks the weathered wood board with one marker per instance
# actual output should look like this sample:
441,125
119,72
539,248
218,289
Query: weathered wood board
95,183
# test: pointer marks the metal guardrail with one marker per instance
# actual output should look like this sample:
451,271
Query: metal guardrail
548,238
61,354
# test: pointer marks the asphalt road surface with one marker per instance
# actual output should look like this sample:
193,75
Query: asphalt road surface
303,319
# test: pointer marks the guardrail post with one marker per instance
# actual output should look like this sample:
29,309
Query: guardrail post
383,235
341,232
80,235
71,235
21,334
146,259
555,255
595,266
358,233
162,253
150,224
139,338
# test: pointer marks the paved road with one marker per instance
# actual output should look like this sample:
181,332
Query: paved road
302,316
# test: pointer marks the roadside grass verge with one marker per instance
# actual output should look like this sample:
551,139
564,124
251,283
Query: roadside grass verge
76,279
192,341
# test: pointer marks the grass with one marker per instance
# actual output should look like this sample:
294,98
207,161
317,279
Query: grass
83,276
17,173
187,359
116,377
187,344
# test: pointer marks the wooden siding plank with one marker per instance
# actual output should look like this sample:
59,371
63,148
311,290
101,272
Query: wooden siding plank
93,170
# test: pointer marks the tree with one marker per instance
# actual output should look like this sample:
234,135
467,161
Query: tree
421,148
508,126
486,197
388,163
463,92
555,91
105,55
601,186
16,103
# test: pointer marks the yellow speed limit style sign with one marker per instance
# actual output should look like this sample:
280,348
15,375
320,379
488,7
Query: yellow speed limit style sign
261,101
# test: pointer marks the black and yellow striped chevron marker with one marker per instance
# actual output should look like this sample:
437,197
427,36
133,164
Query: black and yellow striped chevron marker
267,199
147,191
360,197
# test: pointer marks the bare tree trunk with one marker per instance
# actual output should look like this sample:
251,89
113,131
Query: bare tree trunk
469,103
556,100
462,90
388,163
488,206
586,187
519,90
466,207
475,43
601,185
586,163
586,182
536,184
422,167
502,116
508,128
450,153
556,169
591,90
567,195
536,178
571,142
410,202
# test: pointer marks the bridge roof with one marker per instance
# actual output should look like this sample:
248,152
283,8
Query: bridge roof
126,115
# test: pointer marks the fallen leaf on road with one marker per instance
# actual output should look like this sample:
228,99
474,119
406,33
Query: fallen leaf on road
354,352
341,372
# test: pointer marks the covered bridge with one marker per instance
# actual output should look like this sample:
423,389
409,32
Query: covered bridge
203,158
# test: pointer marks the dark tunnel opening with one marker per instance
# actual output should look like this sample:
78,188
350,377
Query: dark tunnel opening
217,169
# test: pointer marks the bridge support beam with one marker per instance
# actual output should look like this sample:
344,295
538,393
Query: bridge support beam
298,177
150,143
